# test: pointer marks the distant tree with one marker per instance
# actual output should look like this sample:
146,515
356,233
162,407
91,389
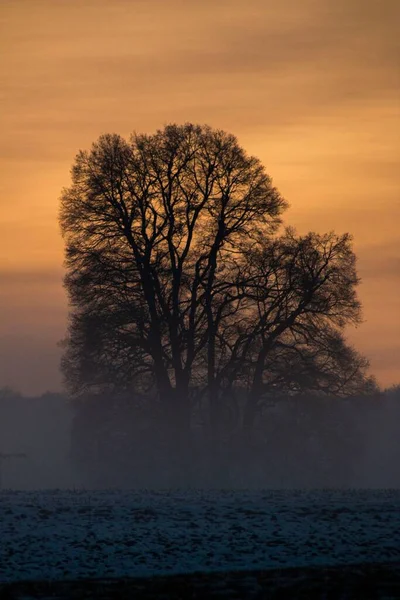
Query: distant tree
393,391
180,285
8,393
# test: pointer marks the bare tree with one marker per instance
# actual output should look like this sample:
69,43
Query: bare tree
179,283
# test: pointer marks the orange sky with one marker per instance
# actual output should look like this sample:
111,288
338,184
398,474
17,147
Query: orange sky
312,87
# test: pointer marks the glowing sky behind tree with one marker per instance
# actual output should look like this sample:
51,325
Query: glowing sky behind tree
312,87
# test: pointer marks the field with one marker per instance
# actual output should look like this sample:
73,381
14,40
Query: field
63,540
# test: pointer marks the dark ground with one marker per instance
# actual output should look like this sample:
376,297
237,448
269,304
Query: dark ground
362,582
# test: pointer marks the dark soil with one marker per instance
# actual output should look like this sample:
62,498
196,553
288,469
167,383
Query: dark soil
364,581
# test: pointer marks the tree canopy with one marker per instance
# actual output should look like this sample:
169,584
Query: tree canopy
183,285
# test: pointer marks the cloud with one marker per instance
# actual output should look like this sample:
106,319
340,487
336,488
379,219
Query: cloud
380,261
386,358
34,276
30,363
260,63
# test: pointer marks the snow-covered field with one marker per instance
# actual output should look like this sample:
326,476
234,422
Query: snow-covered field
72,534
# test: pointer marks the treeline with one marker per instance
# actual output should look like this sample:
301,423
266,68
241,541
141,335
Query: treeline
299,441
35,441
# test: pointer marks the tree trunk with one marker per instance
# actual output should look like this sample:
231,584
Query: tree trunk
177,410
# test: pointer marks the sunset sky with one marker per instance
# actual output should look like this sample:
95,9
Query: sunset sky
311,87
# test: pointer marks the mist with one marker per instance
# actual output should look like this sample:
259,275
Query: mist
50,442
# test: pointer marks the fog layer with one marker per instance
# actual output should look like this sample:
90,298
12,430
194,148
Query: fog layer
46,442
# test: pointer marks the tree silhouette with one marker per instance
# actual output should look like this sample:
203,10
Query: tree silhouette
180,285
